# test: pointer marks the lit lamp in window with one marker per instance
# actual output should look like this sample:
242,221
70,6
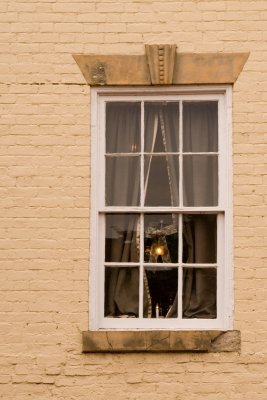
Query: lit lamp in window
159,249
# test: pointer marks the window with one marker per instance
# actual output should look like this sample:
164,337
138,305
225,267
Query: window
161,208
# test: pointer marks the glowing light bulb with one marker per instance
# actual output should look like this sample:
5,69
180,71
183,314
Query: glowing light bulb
159,250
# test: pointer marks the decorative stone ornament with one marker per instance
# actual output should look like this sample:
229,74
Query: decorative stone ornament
98,74
161,65
161,59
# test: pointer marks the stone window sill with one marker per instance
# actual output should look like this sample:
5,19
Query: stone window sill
160,341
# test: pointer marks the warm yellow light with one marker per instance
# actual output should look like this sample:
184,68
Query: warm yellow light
159,250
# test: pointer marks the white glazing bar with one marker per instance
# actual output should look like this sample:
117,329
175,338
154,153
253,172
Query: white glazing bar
121,264
141,271
181,202
160,265
123,154
142,153
207,153
221,300
180,221
141,224
169,153
180,271
101,150
200,265
101,283
160,210
221,155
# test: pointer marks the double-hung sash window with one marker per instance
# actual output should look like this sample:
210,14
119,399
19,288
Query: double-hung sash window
161,208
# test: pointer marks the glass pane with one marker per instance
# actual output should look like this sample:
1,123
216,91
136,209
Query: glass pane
160,292
121,238
200,126
200,180
161,238
200,238
199,293
161,127
122,181
121,292
123,122
161,180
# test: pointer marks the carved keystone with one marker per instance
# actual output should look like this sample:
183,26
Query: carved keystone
161,59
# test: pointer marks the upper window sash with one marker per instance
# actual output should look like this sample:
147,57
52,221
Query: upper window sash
103,98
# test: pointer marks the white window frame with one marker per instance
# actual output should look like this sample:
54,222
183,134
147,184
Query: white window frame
100,95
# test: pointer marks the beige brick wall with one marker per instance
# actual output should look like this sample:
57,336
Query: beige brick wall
44,198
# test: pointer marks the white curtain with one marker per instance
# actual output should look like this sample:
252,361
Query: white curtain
162,136
200,183
200,172
123,136
122,189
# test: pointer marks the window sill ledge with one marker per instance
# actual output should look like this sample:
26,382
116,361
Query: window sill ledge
160,341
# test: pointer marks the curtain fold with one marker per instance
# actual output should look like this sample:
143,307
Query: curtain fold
162,135
199,284
200,135
200,182
123,189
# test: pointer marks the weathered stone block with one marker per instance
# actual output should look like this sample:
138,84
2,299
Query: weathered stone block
160,341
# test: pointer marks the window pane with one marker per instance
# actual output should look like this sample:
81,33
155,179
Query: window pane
123,121
122,181
121,238
161,127
200,126
199,293
161,180
160,292
200,180
161,238
121,292
200,238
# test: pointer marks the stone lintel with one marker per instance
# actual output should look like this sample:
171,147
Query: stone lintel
179,68
160,341
208,68
118,69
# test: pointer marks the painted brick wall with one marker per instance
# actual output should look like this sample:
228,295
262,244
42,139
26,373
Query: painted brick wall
44,198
